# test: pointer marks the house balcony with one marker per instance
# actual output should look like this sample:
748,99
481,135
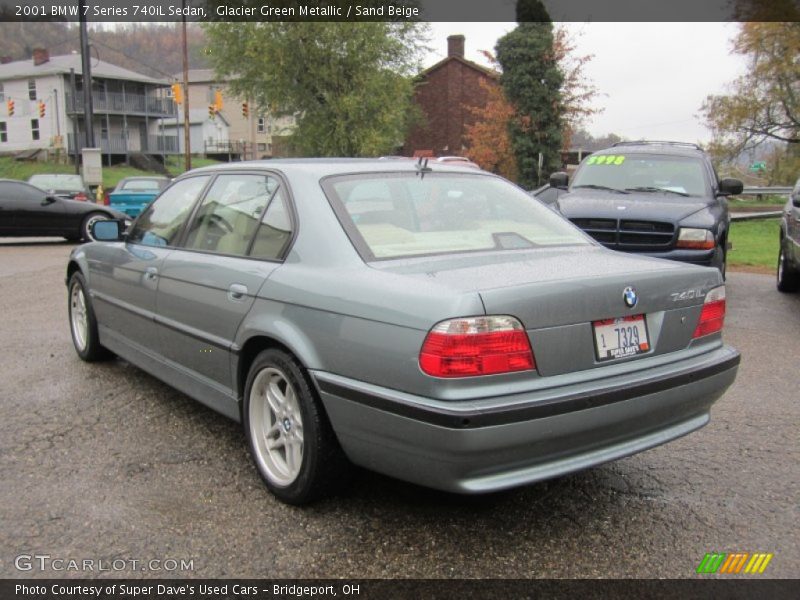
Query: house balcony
120,144
128,104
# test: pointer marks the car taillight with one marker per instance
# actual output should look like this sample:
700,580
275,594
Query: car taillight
476,346
713,314
81,196
696,239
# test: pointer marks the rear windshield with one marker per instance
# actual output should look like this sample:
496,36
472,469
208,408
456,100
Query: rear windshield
143,185
402,214
72,183
683,175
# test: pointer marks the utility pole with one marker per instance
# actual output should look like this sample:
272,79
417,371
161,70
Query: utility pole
74,109
187,150
86,62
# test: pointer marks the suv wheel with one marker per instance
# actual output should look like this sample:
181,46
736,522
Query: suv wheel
788,278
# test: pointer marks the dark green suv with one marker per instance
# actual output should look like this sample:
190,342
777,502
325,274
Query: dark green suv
660,199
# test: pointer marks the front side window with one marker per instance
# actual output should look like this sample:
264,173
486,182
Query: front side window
230,213
403,214
668,175
32,89
34,129
163,220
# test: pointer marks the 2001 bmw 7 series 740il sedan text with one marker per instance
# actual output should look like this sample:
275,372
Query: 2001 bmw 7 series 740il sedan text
433,323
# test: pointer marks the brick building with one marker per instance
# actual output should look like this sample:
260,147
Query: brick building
444,93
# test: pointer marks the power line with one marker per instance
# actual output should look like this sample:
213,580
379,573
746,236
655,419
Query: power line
133,58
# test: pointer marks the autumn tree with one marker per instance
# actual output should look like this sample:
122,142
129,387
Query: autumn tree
578,93
350,84
764,103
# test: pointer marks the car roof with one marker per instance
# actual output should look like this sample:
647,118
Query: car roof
673,148
323,167
7,180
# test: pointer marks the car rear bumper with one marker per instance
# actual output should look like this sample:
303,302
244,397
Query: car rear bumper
497,443
132,210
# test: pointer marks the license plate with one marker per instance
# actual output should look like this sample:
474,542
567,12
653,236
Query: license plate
620,338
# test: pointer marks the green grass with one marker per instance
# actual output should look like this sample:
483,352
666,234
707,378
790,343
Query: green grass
755,243
18,169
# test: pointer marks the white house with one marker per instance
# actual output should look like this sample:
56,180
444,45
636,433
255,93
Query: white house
128,107
206,135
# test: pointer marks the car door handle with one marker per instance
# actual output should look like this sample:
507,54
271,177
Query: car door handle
237,291
151,273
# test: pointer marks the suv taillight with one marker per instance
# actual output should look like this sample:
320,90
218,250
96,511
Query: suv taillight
476,346
713,314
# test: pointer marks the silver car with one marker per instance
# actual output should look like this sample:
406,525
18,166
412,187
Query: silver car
433,323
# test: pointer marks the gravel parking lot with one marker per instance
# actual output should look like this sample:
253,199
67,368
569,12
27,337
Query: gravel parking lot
105,462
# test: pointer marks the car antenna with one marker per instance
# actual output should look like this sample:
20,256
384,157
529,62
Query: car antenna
422,167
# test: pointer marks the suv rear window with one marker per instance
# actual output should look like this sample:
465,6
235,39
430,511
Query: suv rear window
402,214
680,174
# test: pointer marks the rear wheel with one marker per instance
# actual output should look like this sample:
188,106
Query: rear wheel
291,441
88,221
788,278
82,322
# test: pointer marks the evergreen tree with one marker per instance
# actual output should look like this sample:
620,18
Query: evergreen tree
531,80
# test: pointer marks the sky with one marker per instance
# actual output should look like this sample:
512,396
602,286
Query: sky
652,78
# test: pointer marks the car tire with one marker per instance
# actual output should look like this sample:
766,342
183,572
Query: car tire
788,280
82,322
88,221
721,260
290,438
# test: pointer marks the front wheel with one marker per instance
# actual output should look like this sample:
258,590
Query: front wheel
88,221
82,322
291,441
788,278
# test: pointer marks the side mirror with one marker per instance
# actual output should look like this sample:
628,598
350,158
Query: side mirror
48,200
796,200
730,187
108,231
559,180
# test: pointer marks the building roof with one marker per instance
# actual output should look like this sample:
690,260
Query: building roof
60,65
199,76
480,68
197,116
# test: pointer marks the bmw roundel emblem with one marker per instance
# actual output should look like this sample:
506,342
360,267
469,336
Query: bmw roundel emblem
630,297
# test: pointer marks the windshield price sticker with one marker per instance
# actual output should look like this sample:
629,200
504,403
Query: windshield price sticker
606,159
620,338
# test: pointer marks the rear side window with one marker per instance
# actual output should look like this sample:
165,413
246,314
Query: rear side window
403,214
275,230
162,221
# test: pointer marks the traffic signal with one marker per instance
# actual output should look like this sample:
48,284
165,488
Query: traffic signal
10,107
212,111
42,109
245,110
177,93
218,100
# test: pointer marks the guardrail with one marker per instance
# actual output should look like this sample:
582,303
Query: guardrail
772,214
774,190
